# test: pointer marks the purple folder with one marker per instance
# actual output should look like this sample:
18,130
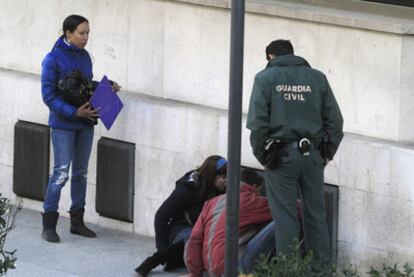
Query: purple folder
108,101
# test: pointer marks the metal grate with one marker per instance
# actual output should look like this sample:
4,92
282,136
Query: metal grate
331,203
31,159
115,179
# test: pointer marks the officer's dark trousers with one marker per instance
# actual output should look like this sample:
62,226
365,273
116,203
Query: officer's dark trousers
304,173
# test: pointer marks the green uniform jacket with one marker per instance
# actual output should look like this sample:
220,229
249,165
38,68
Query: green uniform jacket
290,100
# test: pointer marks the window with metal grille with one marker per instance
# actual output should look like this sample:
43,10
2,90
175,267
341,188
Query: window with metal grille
115,179
31,159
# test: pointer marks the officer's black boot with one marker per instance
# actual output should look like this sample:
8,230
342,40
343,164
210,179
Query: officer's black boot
77,226
49,226
150,263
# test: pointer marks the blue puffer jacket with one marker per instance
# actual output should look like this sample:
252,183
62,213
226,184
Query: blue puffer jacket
61,60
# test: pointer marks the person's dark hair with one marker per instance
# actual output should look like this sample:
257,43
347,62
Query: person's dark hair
212,167
279,47
250,177
72,22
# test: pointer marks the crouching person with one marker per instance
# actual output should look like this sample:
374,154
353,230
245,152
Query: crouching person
205,250
178,213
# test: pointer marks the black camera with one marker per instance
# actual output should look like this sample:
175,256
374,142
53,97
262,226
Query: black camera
75,88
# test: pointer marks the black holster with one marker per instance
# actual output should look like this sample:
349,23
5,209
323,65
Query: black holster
275,150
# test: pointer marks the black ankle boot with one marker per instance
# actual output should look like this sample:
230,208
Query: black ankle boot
150,263
77,226
49,226
174,256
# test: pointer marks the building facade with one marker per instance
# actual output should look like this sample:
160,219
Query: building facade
172,60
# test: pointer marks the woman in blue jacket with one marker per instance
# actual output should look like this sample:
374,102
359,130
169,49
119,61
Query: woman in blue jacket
71,127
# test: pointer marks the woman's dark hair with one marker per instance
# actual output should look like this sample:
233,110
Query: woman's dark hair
279,47
72,22
212,167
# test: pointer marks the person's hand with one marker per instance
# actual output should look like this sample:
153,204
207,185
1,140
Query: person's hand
86,111
116,87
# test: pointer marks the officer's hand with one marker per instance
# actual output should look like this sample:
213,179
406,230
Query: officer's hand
86,111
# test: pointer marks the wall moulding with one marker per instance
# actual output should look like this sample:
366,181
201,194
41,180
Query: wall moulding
355,14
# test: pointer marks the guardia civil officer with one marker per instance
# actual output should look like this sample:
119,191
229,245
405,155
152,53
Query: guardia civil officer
296,127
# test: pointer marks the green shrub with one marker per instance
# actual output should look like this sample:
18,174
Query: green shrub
298,265
391,271
8,214
294,265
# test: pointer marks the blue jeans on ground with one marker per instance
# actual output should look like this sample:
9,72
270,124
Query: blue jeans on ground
262,243
183,235
69,146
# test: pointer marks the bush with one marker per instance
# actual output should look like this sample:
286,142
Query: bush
8,214
391,271
298,265
293,265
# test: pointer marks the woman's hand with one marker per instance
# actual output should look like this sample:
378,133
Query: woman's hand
115,87
86,111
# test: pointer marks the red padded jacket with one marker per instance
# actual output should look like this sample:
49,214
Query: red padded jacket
205,249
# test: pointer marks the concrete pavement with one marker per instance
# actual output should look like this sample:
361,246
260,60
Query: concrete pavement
112,253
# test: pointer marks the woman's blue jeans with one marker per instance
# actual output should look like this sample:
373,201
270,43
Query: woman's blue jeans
183,235
69,146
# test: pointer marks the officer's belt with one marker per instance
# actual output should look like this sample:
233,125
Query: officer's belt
295,144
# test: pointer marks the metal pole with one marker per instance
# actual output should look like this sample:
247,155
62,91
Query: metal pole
234,136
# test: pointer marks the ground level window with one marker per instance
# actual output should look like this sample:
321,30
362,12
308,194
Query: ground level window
408,3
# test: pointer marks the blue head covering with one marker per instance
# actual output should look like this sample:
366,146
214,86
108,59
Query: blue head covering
220,164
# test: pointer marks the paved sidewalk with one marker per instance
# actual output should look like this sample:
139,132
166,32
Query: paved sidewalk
112,253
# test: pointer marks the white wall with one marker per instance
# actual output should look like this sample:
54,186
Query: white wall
179,51
172,60
376,207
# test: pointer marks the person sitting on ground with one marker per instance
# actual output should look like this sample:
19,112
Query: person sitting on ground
179,212
204,251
